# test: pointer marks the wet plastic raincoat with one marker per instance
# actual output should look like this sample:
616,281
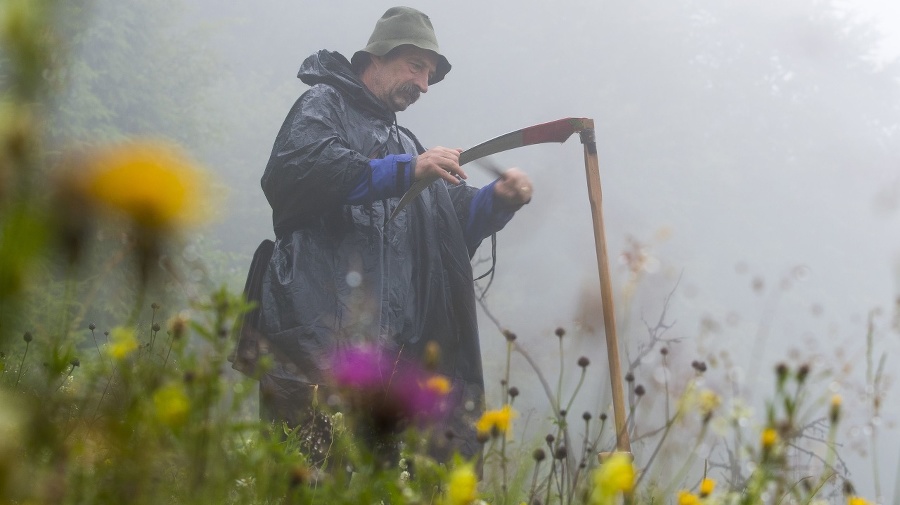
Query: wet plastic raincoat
342,273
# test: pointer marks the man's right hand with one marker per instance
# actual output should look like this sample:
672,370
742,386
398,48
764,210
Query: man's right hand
440,162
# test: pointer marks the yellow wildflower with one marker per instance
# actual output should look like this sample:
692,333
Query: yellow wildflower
708,401
706,487
688,498
768,438
438,384
122,343
856,500
496,421
153,183
462,486
171,404
615,475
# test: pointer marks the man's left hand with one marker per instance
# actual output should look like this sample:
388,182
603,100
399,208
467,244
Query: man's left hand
514,188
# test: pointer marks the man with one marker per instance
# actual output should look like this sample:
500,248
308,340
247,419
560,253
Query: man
340,271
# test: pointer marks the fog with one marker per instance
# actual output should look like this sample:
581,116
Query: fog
749,157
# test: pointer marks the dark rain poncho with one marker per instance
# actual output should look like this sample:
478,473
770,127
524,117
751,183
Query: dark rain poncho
342,273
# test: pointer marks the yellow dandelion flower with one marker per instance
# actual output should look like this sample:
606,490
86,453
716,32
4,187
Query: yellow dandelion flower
439,384
153,183
171,404
462,486
688,498
122,343
708,401
615,475
857,500
706,487
768,438
496,421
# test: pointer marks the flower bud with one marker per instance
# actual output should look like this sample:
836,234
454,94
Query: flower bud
835,413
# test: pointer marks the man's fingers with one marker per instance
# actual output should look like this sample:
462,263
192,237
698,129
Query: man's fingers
441,162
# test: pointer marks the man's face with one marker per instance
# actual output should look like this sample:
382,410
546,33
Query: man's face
399,77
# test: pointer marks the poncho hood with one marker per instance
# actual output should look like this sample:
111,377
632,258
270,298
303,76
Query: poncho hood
333,69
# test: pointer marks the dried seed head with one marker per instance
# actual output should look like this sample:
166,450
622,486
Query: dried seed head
849,490
510,336
92,326
583,362
629,377
560,452
664,351
563,412
27,337
802,373
586,416
75,362
549,438
781,372
639,390
178,325
560,332
807,484
603,416
155,327
698,366
482,437
538,454
513,392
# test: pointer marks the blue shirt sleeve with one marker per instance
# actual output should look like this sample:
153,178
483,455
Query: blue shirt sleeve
389,177
486,216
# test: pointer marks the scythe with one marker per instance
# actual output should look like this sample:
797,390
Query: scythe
559,131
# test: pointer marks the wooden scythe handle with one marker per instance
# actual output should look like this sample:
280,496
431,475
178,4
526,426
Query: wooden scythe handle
592,168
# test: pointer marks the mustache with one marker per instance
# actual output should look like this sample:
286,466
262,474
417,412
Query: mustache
410,91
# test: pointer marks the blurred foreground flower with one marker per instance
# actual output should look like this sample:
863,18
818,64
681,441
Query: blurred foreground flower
768,438
462,486
707,486
387,391
122,343
688,498
615,475
495,422
171,405
153,183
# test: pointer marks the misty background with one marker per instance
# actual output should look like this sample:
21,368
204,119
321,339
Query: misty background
749,158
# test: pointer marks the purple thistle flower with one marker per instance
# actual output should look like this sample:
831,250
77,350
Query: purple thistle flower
390,391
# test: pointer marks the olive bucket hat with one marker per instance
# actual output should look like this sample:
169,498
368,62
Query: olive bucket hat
401,26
